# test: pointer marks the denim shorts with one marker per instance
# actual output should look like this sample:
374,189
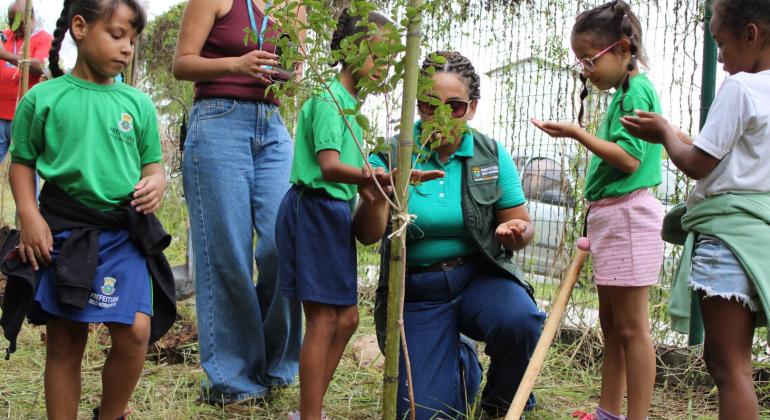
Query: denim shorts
717,273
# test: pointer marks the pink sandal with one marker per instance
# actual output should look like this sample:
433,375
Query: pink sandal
582,415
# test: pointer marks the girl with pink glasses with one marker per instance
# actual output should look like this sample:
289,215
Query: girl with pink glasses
624,219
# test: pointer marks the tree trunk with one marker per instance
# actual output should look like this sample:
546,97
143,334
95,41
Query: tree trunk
398,242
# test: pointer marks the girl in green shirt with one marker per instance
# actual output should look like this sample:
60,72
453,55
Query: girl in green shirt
313,227
624,219
97,141
727,218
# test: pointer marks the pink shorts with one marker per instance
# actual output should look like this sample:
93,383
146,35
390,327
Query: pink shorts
626,246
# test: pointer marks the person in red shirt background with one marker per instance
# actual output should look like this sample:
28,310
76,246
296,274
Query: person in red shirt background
10,69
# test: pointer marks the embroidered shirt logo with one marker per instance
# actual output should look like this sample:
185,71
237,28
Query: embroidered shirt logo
108,288
126,123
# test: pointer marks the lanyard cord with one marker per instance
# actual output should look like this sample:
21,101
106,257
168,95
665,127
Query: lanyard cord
262,30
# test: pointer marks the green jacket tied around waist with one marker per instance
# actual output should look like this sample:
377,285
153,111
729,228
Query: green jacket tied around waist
742,221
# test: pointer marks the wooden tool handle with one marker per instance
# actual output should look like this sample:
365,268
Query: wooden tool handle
546,337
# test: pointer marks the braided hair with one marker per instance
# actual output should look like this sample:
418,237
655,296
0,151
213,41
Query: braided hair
457,64
737,14
606,24
90,10
349,25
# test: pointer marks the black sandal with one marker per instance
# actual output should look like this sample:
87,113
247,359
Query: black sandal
96,415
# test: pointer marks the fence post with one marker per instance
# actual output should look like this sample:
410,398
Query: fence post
707,92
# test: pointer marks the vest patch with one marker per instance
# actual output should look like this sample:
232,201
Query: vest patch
485,173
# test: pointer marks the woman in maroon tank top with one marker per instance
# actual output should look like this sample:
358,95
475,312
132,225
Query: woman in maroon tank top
236,168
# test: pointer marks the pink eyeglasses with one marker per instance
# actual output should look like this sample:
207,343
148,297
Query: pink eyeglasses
588,64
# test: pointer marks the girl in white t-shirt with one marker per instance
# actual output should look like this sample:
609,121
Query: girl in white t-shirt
730,156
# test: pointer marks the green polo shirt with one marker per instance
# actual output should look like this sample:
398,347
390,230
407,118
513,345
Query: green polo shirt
90,140
321,127
438,233
604,180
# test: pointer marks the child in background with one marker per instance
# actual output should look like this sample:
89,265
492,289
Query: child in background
727,217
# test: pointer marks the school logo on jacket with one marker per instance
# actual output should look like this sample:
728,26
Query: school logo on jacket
126,122
108,287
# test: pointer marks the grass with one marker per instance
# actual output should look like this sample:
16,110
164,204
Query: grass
171,391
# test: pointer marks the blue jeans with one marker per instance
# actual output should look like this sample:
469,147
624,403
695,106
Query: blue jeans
5,138
236,168
483,306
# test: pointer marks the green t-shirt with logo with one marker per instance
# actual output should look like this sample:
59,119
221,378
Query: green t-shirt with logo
604,180
90,140
321,127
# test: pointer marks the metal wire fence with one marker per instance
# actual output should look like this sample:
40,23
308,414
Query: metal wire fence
522,54
521,50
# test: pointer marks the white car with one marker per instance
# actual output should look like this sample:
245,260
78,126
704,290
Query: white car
551,205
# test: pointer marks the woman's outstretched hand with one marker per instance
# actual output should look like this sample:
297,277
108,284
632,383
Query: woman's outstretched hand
511,234
417,176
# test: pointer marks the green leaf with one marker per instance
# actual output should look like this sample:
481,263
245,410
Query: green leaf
380,148
16,21
439,59
363,122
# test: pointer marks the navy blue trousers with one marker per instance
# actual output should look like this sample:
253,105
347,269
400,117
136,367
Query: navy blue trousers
482,305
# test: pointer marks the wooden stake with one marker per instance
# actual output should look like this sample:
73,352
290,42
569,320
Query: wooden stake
546,337
25,50
24,65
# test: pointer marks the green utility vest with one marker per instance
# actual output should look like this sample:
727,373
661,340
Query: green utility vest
478,205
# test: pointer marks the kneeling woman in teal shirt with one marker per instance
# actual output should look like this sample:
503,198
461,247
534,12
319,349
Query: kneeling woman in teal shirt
461,282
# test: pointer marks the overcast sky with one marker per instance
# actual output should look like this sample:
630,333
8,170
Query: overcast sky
49,10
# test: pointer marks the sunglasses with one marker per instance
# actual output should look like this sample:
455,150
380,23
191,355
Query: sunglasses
459,107
588,64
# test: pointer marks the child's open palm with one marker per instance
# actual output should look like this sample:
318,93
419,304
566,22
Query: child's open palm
557,129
